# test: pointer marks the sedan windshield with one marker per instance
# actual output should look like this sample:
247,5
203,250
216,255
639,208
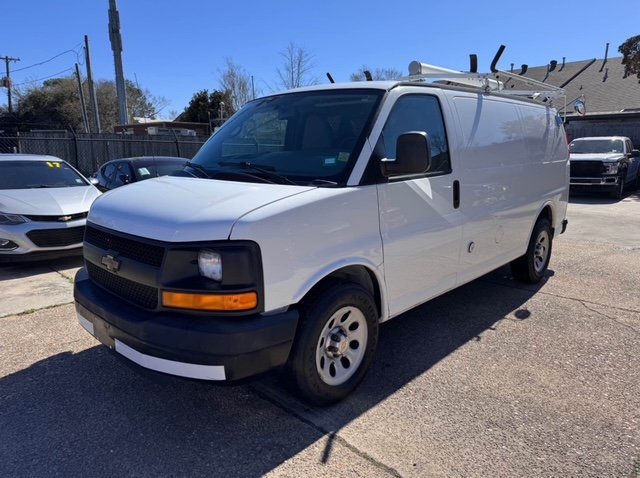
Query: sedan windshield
38,174
298,138
591,146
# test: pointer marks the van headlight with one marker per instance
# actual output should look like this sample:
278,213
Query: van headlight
11,219
610,168
210,264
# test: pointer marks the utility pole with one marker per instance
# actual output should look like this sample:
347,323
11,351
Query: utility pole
7,81
92,88
85,120
116,45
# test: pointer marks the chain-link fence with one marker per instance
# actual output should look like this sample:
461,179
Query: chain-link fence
87,152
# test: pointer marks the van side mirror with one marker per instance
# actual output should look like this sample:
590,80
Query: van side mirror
413,155
635,153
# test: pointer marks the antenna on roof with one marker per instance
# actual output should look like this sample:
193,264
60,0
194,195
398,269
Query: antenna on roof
330,77
523,69
562,66
367,75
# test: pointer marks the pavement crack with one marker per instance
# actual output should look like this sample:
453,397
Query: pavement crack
539,292
67,278
633,329
33,311
584,303
333,437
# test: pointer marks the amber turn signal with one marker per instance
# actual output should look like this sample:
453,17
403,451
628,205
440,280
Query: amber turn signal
218,302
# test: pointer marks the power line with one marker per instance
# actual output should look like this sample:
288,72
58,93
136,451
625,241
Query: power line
45,78
52,58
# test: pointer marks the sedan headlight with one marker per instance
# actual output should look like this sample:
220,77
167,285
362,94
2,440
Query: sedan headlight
610,168
11,219
210,264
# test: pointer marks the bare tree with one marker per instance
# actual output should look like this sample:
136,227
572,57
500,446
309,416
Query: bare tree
377,74
296,69
237,82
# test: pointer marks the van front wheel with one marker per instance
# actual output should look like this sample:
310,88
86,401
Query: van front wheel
335,343
532,266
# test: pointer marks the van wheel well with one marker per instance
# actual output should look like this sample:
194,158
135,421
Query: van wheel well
352,274
547,214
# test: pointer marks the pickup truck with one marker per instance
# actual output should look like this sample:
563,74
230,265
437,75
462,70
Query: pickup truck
604,162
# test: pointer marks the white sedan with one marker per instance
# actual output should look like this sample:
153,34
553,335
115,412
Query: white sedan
44,203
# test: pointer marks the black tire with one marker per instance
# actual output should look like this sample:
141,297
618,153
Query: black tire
618,192
315,341
532,266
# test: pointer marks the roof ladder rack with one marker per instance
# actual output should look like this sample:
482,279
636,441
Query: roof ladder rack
489,82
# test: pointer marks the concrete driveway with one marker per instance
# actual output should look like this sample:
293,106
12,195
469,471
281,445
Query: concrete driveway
493,379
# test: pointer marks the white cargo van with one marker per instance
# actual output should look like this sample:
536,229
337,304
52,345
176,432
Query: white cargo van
312,216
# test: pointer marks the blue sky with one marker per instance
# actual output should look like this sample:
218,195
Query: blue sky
175,48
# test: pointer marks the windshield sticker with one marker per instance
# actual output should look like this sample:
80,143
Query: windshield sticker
328,161
144,172
343,157
53,165
79,181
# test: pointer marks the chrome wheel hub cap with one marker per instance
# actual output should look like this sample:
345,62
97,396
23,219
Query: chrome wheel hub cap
541,251
341,345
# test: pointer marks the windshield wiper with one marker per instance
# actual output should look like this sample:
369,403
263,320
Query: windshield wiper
262,169
322,182
198,167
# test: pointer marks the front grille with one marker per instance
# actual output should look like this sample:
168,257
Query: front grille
585,169
132,249
58,218
139,294
56,237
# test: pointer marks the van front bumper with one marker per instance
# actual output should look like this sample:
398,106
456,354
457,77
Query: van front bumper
199,347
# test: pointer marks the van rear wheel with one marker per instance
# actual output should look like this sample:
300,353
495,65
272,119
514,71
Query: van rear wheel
532,266
335,344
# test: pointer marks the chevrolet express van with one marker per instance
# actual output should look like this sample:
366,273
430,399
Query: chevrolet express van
311,217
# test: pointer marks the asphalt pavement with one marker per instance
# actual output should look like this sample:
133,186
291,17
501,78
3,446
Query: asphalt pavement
493,379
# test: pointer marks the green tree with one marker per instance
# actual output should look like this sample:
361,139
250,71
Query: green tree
630,50
56,104
205,106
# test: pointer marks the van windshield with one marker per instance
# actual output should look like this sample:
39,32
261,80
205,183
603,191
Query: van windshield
590,146
302,138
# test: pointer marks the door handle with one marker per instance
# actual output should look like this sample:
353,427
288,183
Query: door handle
456,194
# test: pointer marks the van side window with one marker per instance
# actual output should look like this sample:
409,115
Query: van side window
419,113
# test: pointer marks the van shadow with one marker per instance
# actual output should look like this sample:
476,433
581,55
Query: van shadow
19,270
579,197
86,413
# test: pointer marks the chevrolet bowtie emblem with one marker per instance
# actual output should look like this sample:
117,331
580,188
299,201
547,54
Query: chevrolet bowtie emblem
64,218
111,262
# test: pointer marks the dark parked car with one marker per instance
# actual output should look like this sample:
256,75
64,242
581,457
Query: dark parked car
119,172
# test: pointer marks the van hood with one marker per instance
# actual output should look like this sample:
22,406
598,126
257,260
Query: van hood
178,209
48,201
597,156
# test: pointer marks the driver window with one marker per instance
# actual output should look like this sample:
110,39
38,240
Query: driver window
419,113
